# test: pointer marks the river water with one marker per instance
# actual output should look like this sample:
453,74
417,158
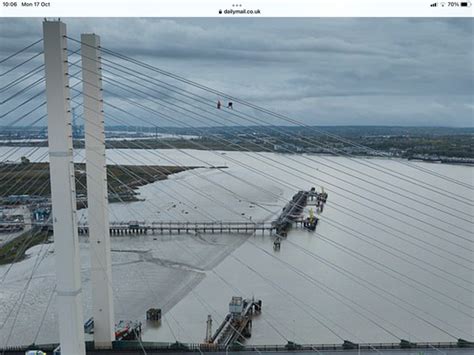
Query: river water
384,263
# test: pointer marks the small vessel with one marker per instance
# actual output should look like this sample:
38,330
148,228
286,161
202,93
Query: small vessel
128,330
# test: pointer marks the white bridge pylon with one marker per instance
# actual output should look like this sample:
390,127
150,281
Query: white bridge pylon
97,200
63,193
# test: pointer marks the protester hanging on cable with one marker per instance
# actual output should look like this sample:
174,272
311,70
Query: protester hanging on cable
219,104
229,105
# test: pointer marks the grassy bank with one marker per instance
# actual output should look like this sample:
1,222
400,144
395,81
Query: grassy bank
33,178
15,250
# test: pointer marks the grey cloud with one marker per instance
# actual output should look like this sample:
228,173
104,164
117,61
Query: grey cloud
320,71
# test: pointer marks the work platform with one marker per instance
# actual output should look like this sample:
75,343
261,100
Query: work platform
236,326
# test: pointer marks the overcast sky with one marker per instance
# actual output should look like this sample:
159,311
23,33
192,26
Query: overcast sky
318,71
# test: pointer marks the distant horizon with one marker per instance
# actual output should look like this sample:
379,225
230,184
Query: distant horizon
250,126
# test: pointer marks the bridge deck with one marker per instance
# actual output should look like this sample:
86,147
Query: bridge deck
135,347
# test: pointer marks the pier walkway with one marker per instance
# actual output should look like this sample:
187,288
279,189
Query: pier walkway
137,228
291,215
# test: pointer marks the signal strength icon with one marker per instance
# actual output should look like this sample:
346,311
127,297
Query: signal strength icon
434,4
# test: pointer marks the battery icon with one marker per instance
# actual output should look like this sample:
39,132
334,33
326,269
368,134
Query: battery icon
464,4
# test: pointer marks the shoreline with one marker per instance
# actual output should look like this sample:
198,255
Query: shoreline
223,151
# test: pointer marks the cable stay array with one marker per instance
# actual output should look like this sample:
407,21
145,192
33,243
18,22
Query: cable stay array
149,96
245,103
424,217
325,181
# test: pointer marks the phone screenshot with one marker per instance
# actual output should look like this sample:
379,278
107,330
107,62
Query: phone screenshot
235,177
